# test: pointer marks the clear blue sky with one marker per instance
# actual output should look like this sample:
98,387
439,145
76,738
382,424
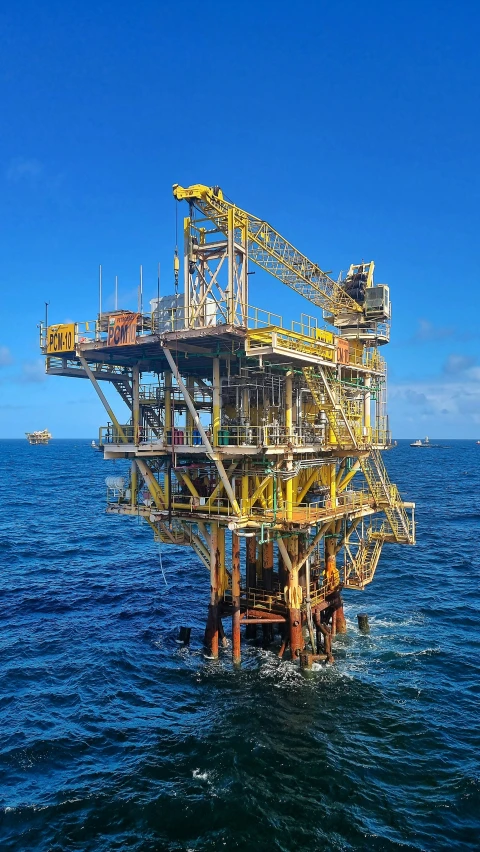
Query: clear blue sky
352,127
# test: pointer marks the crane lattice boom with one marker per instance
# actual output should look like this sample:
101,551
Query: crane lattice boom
272,252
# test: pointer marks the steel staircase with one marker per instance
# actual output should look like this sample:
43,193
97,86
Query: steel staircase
329,397
151,417
360,571
387,497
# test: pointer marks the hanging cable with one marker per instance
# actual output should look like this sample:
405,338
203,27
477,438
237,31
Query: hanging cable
161,565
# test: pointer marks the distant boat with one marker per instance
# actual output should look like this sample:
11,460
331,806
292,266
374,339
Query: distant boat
42,437
420,443
427,445
95,446
478,442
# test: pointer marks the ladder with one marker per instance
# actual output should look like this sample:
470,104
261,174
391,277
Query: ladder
360,571
151,416
387,497
329,397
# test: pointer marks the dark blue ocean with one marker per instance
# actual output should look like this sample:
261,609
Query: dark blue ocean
112,737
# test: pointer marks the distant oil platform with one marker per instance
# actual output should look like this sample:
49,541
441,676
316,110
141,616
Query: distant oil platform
256,443
42,437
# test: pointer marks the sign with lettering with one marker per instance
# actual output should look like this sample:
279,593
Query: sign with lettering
122,330
343,351
61,338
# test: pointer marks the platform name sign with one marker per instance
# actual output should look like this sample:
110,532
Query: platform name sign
122,330
61,338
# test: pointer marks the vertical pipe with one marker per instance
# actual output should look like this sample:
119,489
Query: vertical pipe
99,300
251,579
331,572
245,405
288,428
216,400
186,271
168,438
367,405
236,655
188,418
288,404
231,267
267,576
245,495
244,299
333,485
294,614
136,430
212,640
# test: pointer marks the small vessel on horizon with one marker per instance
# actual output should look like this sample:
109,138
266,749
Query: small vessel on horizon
40,437
95,446
420,443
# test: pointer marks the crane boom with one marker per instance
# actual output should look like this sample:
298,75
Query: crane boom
272,252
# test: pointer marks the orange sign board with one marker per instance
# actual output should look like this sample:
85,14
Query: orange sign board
122,330
343,351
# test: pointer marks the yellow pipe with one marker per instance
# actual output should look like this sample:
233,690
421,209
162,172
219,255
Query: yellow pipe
288,404
333,486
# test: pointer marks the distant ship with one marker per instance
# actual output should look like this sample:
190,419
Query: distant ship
478,442
419,443
38,437
95,446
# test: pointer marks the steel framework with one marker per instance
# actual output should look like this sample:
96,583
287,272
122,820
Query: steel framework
248,441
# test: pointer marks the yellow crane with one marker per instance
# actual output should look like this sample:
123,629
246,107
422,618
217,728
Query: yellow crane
272,252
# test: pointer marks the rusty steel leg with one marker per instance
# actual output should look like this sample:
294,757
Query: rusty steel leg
340,621
283,646
327,638
236,655
334,623
318,621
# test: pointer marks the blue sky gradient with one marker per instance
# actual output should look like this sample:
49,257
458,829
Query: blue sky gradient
352,127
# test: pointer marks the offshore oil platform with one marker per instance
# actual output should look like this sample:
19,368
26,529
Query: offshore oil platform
256,444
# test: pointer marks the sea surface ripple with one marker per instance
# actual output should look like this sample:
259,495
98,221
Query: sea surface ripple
115,738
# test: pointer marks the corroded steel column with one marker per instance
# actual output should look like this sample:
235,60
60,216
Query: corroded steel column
236,598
